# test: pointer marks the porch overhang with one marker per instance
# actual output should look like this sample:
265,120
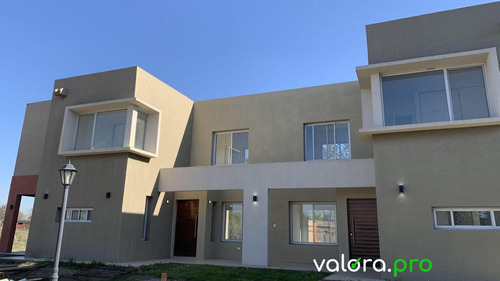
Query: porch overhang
308,174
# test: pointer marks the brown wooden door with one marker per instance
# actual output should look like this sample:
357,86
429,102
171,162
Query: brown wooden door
363,229
186,228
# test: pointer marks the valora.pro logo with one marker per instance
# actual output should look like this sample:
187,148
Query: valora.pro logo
378,265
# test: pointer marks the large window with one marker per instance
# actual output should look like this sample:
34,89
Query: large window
433,96
327,141
473,218
232,222
125,125
313,223
230,148
140,130
101,130
78,215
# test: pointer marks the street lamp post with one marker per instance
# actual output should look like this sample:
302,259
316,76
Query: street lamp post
67,173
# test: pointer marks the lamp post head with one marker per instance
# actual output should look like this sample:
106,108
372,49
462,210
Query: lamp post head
68,173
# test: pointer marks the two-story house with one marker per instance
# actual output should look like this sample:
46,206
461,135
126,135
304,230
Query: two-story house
402,163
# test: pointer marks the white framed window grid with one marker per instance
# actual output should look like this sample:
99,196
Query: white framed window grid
494,216
79,215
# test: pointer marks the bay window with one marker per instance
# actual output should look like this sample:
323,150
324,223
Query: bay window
434,96
127,125
108,130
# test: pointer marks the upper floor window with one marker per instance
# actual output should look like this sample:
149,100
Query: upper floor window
230,148
433,96
126,125
327,141
101,130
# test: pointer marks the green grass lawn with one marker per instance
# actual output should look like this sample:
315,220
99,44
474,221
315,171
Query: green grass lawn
219,273
20,239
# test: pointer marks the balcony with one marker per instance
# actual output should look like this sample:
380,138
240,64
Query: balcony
352,173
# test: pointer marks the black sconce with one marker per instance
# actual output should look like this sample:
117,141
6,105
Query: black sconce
11,207
45,196
255,198
401,189
108,195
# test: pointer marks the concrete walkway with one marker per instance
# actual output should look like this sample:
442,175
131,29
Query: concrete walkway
219,262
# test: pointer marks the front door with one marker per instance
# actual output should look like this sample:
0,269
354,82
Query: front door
363,229
186,228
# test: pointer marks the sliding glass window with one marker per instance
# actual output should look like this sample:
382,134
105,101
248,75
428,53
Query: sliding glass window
313,223
433,96
230,148
327,141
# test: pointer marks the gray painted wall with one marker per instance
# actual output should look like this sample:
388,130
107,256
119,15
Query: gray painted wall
97,175
452,31
445,168
282,251
276,121
29,155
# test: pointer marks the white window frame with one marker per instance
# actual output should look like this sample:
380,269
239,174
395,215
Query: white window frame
224,221
449,101
495,222
326,123
93,127
71,210
290,210
214,146
133,106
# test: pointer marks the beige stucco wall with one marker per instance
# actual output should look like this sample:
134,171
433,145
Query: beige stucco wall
115,233
142,173
29,155
280,248
276,121
97,175
215,247
445,168
452,31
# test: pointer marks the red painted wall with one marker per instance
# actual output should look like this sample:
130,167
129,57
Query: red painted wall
20,186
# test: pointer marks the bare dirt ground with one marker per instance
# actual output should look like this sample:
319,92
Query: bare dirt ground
67,272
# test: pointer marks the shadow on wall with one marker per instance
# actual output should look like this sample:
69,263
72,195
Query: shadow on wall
183,158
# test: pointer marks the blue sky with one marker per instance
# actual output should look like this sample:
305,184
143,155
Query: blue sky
204,49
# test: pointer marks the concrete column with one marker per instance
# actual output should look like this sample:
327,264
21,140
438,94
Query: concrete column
255,217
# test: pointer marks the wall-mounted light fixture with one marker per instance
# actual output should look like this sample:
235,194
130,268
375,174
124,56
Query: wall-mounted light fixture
45,196
401,189
60,92
167,201
255,198
209,201
108,195
11,207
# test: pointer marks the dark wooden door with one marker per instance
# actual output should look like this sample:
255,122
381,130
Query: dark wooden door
186,228
363,229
